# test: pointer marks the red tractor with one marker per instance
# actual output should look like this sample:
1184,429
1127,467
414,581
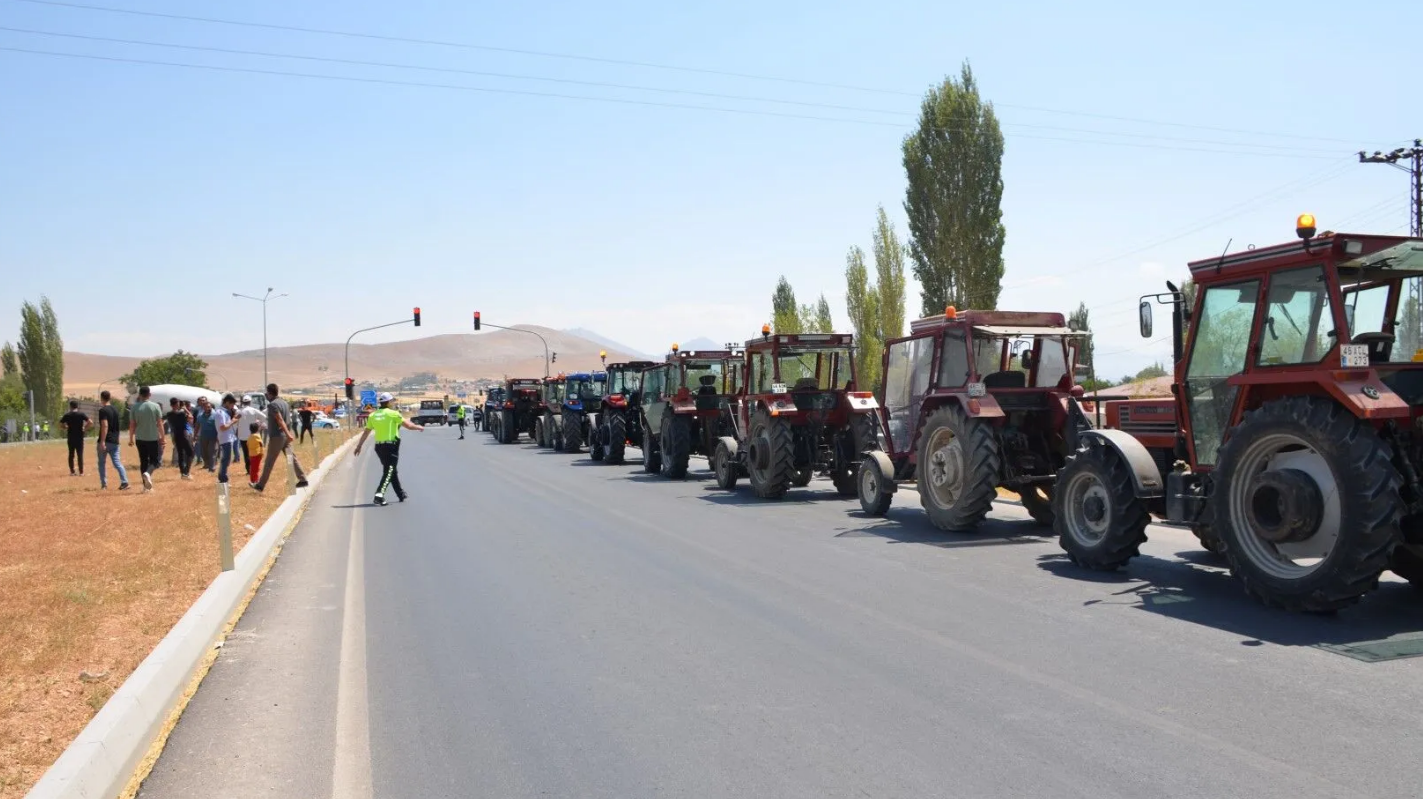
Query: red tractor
797,413
1297,425
522,407
617,422
975,400
681,407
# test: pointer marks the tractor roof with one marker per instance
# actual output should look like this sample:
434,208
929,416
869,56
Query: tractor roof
585,376
704,355
513,381
1348,250
998,323
625,365
817,340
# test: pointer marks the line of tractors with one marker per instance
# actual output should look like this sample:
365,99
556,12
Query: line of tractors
1291,444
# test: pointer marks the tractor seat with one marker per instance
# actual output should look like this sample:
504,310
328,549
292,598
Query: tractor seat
806,384
708,385
1010,379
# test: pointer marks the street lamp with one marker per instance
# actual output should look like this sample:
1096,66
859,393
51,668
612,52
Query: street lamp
262,299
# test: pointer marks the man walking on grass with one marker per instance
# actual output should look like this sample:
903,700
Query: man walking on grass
76,423
145,425
279,437
227,419
109,442
386,422
306,415
178,420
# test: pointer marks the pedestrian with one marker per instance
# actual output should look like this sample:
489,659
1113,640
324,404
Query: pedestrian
253,451
144,427
386,422
44,426
459,417
27,433
226,419
250,416
207,434
76,424
279,437
109,442
179,422
306,416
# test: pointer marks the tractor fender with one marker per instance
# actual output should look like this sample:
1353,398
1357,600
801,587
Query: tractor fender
861,402
777,405
985,407
688,406
886,468
1145,476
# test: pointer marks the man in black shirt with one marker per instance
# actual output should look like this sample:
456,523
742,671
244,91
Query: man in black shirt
178,420
109,442
76,424
306,415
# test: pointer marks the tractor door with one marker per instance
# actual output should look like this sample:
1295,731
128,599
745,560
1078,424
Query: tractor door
1218,350
654,397
908,369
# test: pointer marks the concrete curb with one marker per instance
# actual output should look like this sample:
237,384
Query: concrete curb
100,762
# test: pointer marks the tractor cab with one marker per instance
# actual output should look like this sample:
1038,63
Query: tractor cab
681,406
583,389
616,423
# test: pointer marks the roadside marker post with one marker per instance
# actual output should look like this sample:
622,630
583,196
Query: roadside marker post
291,470
224,527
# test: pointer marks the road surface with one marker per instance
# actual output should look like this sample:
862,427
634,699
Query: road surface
532,624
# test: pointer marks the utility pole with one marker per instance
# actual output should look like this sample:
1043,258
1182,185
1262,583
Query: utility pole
1414,157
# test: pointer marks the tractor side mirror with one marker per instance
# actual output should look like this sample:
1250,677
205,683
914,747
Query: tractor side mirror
1145,310
1025,359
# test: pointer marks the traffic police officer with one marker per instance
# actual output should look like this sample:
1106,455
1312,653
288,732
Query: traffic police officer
386,422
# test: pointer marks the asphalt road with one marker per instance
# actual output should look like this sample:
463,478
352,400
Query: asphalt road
534,624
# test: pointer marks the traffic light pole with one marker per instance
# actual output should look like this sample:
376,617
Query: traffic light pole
521,330
367,330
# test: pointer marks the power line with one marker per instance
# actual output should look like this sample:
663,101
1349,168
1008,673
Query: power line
640,64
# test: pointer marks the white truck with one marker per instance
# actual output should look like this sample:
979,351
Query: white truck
431,412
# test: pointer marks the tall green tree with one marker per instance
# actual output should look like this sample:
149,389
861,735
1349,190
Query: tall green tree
785,313
954,165
824,322
1080,320
41,357
862,303
889,274
9,361
183,368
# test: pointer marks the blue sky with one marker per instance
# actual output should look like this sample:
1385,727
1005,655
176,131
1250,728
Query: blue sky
139,197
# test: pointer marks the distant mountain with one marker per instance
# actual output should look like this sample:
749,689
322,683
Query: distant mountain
701,343
585,333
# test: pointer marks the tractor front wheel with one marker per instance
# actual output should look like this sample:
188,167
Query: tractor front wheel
676,445
770,456
1100,521
724,463
572,435
617,435
861,441
1037,501
875,478
1307,504
958,469
803,476
540,429
507,431
651,453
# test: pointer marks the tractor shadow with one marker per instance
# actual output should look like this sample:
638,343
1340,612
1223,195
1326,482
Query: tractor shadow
692,477
1199,589
812,494
912,526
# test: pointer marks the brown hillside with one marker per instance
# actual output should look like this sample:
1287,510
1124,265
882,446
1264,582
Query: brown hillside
463,356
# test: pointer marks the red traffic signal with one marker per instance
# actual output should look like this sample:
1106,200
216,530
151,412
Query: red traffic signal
350,388
417,316
476,320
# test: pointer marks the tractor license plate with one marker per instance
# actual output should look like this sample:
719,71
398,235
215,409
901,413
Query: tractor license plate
1354,356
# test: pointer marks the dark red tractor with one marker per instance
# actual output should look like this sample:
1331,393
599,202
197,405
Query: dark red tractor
974,401
682,407
617,422
522,406
1295,446
798,413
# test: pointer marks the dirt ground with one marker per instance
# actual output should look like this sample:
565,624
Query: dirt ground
91,580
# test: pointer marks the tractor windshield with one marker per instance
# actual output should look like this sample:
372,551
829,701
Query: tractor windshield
584,389
805,369
698,375
623,381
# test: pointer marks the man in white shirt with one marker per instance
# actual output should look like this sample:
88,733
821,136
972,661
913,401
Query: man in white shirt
248,416
227,419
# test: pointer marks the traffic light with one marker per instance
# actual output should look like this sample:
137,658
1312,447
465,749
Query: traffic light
417,316
555,358
350,389
476,320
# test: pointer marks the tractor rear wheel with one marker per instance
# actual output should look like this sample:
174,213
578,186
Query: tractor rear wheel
507,431
724,463
539,432
1210,542
1407,562
597,442
555,432
572,434
770,456
1307,504
1100,521
676,445
617,433
1037,501
651,452
958,469
861,432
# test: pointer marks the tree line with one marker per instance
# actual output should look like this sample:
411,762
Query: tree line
36,364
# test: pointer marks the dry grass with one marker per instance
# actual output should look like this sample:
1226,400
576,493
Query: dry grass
91,580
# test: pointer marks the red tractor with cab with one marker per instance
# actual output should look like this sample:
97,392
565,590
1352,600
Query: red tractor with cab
975,400
1296,435
617,422
798,412
681,407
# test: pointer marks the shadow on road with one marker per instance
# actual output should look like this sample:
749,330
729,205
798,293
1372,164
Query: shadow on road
1201,591
911,526
692,477
743,495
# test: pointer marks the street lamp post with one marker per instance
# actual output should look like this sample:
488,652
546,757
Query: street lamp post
262,299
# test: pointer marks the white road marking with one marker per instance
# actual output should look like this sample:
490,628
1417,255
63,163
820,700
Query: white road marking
351,773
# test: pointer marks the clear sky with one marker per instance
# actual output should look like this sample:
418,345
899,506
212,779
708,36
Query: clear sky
140,196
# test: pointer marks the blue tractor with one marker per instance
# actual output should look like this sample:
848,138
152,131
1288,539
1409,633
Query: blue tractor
581,395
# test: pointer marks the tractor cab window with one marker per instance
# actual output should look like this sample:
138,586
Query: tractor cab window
624,381
654,382
987,354
760,377
1219,346
953,360
906,381
818,369
1051,362
1364,309
585,389
1299,319
704,375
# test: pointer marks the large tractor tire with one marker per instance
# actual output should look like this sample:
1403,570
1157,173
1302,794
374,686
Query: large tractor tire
1407,562
597,439
507,431
723,463
1037,501
572,434
1210,542
1099,520
540,432
555,433
651,453
676,445
958,469
803,476
617,433
1306,501
770,456
863,440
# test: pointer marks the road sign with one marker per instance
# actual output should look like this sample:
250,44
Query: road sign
368,397
461,395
